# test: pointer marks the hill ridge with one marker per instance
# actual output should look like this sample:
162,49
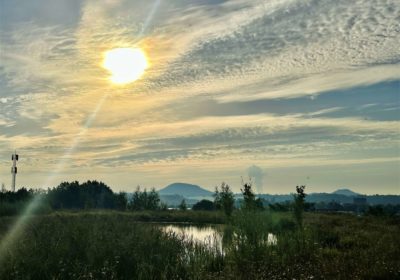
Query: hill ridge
345,191
185,189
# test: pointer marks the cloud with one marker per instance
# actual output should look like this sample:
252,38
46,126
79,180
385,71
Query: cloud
256,174
325,111
249,137
314,47
282,82
321,83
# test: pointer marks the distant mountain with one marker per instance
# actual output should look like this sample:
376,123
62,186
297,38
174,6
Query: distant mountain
346,192
174,193
185,190
173,200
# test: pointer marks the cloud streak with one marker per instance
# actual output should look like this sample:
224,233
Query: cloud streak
317,66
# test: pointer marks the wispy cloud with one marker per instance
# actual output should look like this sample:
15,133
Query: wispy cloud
230,54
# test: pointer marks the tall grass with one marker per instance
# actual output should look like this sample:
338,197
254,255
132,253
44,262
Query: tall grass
113,245
100,247
18,207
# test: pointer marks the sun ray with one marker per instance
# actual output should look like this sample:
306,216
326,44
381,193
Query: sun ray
8,240
13,234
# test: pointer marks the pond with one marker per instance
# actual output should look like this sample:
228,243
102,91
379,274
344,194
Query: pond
209,235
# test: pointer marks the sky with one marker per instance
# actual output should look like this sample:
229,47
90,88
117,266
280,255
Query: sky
287,92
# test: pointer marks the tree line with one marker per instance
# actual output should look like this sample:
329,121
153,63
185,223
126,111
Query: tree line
97,195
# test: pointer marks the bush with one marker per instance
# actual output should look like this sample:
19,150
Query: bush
205,205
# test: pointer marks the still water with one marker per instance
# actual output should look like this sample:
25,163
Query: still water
211,235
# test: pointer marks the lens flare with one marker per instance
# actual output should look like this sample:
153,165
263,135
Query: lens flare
9,239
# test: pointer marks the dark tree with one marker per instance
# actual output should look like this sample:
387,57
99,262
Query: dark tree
143,200
88,195
182,205
299,204
250,202
21,195
204,204
121,201
224,199
280,207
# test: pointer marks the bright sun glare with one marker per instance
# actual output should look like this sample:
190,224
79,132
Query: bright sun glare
126,65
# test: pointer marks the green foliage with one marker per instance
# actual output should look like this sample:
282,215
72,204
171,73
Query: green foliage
357,247
20,195
204,205
182,205
111,245
121,201
14,203
251,231
224,199
18,208
280,207
99,244
143,200
382,210
285,225
250,202
299,204
100,247
88,195
163,206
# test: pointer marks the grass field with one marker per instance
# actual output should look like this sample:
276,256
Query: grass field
119,245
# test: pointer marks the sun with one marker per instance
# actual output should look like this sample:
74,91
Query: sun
126,65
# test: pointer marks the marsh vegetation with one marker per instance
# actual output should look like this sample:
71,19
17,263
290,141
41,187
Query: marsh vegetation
227,243
112,245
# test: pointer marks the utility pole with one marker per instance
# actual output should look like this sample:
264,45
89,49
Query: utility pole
14,159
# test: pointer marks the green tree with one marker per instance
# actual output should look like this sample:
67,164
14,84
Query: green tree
143,200
224,199
299,204
204,204
90,194
121,201
153,200
182,205
250,202
163,206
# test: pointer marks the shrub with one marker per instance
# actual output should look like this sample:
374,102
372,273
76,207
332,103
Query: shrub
204,204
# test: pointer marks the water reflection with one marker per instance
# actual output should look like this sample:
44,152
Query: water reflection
272,240
212,236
